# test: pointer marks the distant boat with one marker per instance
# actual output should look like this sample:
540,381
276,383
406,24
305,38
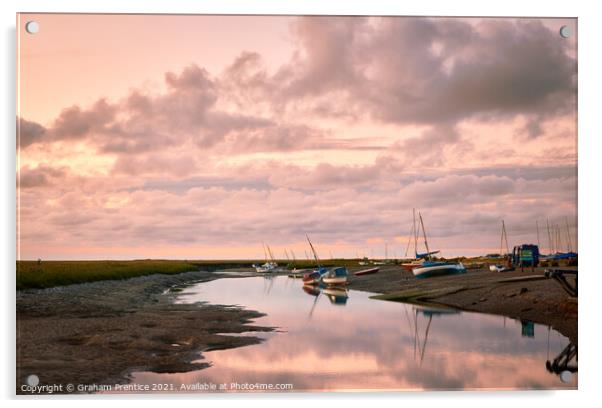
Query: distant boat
366,272
500,268
335,276
268,266
431,269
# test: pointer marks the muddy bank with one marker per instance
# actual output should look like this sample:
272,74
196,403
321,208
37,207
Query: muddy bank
540,300
98,333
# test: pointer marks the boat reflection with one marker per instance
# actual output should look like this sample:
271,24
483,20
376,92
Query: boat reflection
337,296
566,360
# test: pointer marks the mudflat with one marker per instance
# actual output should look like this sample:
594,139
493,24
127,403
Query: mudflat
524,295
98,333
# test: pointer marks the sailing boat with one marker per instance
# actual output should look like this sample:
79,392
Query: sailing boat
555,244
504,239
419,257
314,277
334,276
430,268
268,266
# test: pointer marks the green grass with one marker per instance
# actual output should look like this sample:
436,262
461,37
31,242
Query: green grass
31,274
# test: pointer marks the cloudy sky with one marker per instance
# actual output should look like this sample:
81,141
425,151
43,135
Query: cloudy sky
202,136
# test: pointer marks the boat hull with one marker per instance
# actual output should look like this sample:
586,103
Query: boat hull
366,272
438,270
337,280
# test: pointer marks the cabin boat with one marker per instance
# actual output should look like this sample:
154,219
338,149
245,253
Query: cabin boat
335,276
431,269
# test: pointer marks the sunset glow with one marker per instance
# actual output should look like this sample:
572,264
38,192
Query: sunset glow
200,137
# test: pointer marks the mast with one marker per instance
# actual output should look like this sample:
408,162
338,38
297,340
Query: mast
286,255
265,254
415,235
426,244
313,250
270,252
549,237
568,235
412,234
537,228
503,239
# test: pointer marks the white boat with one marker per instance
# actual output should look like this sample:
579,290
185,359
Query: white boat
430,269
270,265
335,276
267,267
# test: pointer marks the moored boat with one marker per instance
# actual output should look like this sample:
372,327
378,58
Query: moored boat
431,269
336,276
314,277
366,272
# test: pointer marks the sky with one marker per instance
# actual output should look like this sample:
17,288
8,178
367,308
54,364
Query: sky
202,137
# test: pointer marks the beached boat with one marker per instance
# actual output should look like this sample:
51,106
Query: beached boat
267,267
366,272
314,277
335,276
500,268
420,258
431,269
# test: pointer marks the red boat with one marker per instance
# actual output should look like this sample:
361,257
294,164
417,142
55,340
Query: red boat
366,272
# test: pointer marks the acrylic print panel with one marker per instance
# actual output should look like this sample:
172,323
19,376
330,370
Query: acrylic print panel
221,204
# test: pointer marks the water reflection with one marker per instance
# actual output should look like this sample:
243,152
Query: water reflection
353,342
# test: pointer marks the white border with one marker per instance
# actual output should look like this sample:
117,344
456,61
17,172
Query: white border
590,69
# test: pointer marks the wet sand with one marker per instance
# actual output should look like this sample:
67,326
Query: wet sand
540,300
98,333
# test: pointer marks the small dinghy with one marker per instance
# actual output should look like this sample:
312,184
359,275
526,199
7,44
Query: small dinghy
500,268
366,272
336,276
430,269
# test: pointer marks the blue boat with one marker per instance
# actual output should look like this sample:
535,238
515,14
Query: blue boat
336,276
